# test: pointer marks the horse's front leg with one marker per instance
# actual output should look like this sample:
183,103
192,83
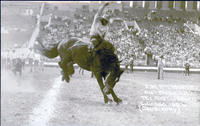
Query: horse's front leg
101,85
116,99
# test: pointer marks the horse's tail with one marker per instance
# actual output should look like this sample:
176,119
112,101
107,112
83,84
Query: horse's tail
50,51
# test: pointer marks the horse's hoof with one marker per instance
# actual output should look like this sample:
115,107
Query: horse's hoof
118,101
67,79
63,78
108,100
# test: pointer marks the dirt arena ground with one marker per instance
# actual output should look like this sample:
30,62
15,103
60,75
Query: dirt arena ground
42,99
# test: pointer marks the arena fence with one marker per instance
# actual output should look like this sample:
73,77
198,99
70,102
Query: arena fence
139,68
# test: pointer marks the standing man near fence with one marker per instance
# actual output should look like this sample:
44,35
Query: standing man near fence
160,67
187,67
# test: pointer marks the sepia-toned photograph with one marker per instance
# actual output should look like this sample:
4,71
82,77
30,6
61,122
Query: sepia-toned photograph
100,63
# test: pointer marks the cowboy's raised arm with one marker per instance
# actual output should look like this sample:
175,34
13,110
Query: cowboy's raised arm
100,10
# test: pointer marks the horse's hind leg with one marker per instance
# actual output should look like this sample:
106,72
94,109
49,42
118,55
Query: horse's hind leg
64,72
70,68
65,76
101,85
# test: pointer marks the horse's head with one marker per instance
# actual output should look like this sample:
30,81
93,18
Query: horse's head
112,78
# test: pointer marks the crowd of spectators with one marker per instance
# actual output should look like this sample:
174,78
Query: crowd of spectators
163,38
176,46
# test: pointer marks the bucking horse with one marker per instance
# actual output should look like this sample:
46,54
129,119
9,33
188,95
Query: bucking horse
103,64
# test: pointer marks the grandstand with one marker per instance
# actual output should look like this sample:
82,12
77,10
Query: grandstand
165,5
165,28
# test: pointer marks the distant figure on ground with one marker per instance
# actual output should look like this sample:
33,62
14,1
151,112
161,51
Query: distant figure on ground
31,60
131,65
187,68
160,67
17,66
41,65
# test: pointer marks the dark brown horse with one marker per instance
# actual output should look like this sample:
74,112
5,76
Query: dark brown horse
76,51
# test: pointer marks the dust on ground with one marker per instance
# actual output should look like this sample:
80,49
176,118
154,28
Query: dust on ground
81,102
146,100
19,95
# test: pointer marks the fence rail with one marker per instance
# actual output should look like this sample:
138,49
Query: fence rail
140,68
